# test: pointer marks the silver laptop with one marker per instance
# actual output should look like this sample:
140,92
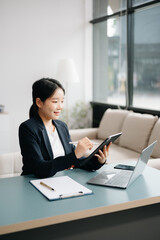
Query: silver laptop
124,178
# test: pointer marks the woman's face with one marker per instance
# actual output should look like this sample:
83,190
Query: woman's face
52,106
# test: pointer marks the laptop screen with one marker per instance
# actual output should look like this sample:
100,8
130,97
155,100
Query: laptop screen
141,163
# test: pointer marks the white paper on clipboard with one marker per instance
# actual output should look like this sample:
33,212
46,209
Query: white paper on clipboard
64,187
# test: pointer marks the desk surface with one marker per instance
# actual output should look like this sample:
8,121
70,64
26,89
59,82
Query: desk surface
23,207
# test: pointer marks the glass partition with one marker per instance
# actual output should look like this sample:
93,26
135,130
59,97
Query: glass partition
146,75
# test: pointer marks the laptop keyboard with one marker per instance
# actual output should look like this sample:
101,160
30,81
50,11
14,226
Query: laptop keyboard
104,175
120,179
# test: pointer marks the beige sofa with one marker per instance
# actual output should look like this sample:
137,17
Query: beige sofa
138,131
10,164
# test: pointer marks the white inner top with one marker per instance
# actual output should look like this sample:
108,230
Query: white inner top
56,144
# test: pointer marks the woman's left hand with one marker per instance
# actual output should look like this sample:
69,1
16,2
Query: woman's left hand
102,156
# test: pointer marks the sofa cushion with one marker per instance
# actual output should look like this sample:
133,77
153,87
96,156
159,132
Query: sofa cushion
136,131
8,175
77,134
119,154
17,162
154,163
10,164
155,135
111,123
6,164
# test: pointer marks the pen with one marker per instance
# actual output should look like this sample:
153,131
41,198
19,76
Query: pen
44,184
94,143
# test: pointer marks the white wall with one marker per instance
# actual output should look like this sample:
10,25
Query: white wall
34,36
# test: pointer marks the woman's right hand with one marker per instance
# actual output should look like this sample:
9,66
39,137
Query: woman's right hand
83,145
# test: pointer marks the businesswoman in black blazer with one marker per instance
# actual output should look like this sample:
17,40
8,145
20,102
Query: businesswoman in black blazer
44,140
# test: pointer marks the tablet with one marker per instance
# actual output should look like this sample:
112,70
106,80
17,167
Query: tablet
106,142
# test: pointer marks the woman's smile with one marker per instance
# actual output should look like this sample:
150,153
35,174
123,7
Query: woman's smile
57,113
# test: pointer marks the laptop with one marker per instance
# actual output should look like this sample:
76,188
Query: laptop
123,178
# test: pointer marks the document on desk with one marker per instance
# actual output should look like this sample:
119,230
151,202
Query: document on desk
60,187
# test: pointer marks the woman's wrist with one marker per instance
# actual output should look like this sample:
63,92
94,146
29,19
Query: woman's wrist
102,161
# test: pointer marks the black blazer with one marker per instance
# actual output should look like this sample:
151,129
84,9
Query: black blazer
38,158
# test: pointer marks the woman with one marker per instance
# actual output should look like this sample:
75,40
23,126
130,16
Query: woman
44,140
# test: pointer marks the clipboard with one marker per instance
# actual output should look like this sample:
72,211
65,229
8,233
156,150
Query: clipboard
106,142
60,187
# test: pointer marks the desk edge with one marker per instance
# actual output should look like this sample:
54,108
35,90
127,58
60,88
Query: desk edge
77,215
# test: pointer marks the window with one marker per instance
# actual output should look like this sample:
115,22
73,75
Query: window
146,75
126,53
139,2
110,60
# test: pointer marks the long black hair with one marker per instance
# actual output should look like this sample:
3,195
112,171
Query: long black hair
43,89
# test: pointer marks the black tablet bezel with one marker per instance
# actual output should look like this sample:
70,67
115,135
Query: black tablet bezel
106,142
